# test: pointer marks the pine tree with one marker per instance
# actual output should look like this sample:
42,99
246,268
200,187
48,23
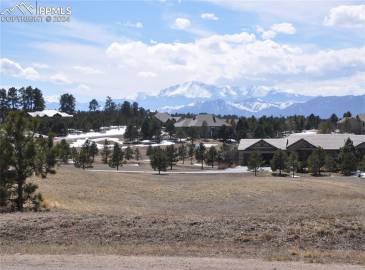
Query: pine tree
255,162
116,157
158,159
279,161
293,163
93,150
171,155
200,154
182,152
67,103
63,151
211,156
348,158
105,152
316,161
26,158
93,105
330,163
191,152
137,154
128,153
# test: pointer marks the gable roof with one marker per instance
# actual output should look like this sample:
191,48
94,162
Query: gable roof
326,141
163,116
199,120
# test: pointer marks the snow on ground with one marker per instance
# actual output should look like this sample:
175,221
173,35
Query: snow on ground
80,142
306,132
208,145
162,143
244,169
113,131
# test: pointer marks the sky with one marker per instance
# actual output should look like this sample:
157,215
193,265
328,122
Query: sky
121,48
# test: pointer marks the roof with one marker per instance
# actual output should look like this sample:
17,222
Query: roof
326,141
163,116
361,117
49,113
200,119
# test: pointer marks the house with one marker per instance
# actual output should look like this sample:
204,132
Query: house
49,113
163,117
352,124
207,125
302,144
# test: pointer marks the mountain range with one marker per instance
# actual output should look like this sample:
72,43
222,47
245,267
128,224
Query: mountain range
197,97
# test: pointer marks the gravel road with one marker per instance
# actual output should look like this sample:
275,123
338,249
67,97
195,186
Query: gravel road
113,262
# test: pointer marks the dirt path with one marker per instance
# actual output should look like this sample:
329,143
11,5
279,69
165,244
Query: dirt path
90,262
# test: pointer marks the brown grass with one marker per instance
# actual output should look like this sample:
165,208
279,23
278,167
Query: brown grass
311,219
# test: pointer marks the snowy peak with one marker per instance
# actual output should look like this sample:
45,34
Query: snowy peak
189,89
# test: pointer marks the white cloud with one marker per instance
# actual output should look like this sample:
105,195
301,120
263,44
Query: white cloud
235,59
209,16
60,78
40,65
284,28
268,34
146,74
182,23
280,28
12,68
132,25
87,70
346,15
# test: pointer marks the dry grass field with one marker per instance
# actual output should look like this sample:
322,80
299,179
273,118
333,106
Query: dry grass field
229,215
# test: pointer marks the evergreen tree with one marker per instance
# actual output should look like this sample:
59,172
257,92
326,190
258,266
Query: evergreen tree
131,133
279,161
158,159
4,104
211,156
128,153
67,103
200,154
316,161
13,98
7,176
116,157
171,155
149,151
105,152
93,150
23,148
110,105
182,152
330,163
361,165
137,154
93,105
63,151
254,162
38,100
191,152
293,163
170,127
348,158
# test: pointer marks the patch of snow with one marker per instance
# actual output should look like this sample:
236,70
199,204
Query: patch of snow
208,145
113,131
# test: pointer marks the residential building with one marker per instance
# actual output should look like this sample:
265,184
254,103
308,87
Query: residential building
302,144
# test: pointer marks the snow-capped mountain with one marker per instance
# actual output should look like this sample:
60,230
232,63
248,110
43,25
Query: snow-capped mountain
198,97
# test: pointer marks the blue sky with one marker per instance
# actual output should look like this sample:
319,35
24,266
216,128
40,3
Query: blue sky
120,48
